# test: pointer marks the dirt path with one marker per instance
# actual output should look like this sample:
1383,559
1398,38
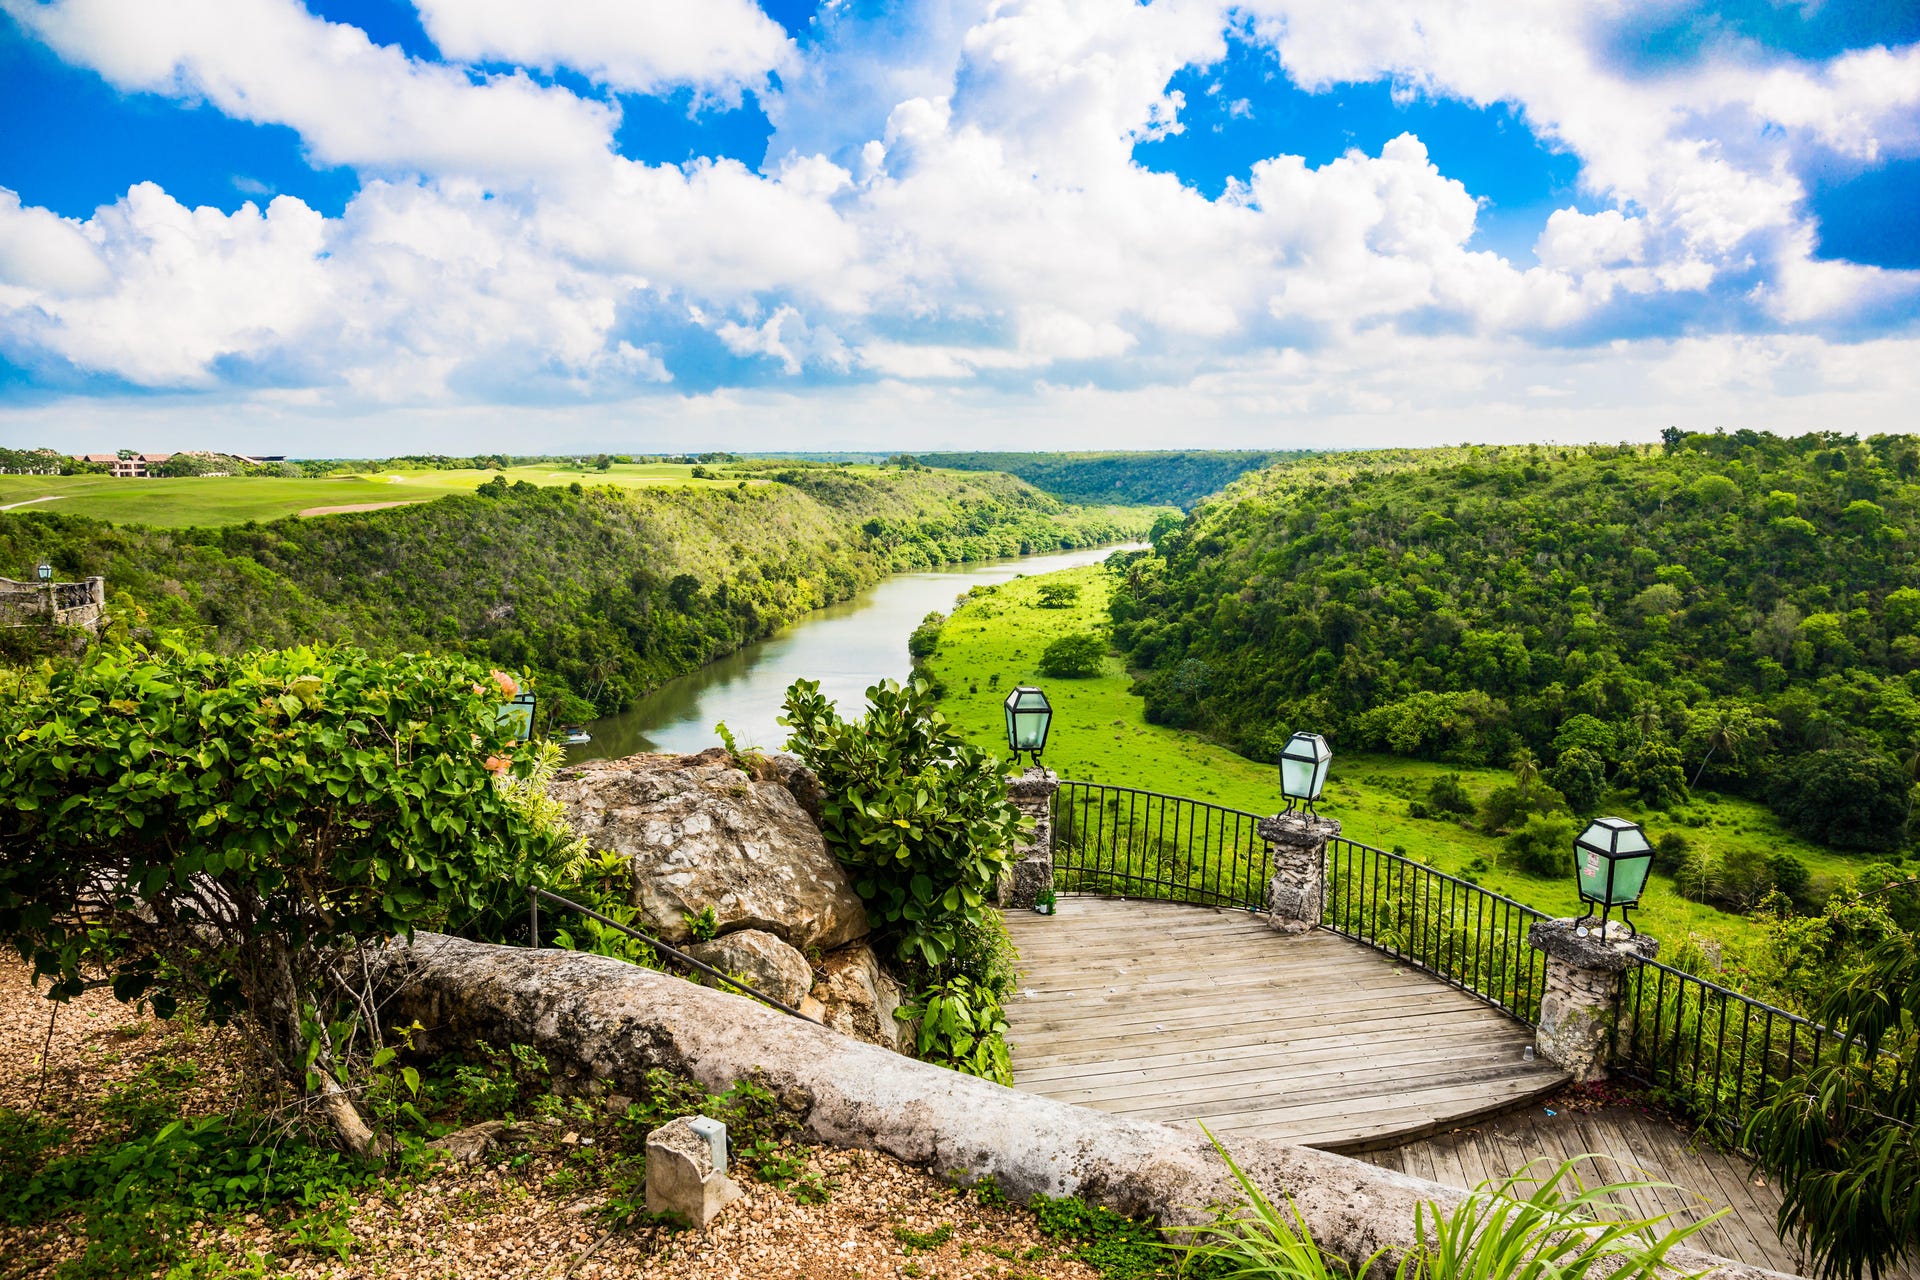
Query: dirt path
51,497
358,506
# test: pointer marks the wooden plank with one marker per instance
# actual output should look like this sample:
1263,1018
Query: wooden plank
1222,1055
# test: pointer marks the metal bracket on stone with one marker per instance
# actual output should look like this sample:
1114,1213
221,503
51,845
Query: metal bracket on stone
687,1170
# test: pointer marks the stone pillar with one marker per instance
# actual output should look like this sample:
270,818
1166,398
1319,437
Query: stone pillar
684,1175
1297,893
1032,873
97,590
1580,1009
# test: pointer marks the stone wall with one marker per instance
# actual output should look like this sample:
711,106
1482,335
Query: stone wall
60,604
609,1022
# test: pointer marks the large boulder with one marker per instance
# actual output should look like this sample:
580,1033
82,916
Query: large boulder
857,997
699,833
760,960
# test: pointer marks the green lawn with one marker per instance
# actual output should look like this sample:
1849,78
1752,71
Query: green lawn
1099,735
218,500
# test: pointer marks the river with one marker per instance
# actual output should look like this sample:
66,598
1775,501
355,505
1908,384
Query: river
846,647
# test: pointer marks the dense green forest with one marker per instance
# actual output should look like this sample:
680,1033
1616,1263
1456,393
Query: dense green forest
1177,478
601,592
1730,611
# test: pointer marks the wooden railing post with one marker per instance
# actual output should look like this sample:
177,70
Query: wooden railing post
1585,978
1297,891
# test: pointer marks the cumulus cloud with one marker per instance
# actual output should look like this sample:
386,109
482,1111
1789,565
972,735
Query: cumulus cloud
950,208
717,45
352,101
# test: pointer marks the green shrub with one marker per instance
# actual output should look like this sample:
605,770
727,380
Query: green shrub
1074,657
1059,595
1847,799
1543,844
925,639
1446,794
230,830
917,814
1581,777
1509,806
1653,775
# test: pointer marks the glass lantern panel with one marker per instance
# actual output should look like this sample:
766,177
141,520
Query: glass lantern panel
1320,774
1592,869
1629,879
1297,778
1030,729
1631,840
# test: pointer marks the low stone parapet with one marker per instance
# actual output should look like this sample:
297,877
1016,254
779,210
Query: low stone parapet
609,1023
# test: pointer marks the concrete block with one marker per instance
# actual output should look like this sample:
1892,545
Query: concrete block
682,1176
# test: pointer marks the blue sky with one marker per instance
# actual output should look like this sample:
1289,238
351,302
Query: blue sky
376,226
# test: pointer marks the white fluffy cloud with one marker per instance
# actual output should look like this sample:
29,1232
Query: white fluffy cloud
718,45
950,202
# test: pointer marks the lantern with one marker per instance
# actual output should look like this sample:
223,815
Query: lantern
46,572
1611,860
1029,716
518,717
1303,769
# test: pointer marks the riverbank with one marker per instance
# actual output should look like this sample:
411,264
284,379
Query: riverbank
1100,734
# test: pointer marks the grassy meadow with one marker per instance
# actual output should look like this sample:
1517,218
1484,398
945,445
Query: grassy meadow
205,501
1100,735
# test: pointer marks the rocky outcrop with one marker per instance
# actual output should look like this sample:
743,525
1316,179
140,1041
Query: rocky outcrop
857,998
762,961
609,1023
699,833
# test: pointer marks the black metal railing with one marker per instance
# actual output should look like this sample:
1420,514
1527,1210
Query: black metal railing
1141,844
727,982
1467,936
1710,1049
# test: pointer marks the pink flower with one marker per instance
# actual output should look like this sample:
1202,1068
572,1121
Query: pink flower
498,764
508,687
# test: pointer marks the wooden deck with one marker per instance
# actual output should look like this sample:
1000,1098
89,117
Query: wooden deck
1161,1011
1639,1146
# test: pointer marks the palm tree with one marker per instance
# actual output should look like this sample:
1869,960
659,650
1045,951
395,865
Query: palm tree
1729,732
1526,771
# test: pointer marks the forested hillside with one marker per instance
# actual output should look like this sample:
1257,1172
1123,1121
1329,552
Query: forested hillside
1739,612
601,592
1174,478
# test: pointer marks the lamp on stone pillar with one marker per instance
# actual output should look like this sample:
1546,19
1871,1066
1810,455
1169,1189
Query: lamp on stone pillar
1303,770
1611,859
1580,1001
1029,716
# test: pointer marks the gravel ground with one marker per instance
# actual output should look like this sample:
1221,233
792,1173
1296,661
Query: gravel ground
507,1219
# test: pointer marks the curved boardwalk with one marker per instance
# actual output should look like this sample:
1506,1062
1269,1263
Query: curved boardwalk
1162,1011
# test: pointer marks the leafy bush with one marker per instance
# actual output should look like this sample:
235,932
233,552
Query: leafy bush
1509,806
919,815
962,1026
925,639
1848,799
1074,657
1059,595
232,830
1543,844
1580,776
1653,775
1446,794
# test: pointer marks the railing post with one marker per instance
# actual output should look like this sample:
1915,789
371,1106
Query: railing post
1032,872
1297,891
1585,978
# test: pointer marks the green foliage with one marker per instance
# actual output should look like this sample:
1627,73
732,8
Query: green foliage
1448,795
962,1026
1843,1138
926,637
917,814
1544,1226
1581,777
229,831
1260,1242
1074,657
1691,613
1510,806
1059,595
1118,1247
1653,776
1178,478
702,926
1543,844
1849,799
